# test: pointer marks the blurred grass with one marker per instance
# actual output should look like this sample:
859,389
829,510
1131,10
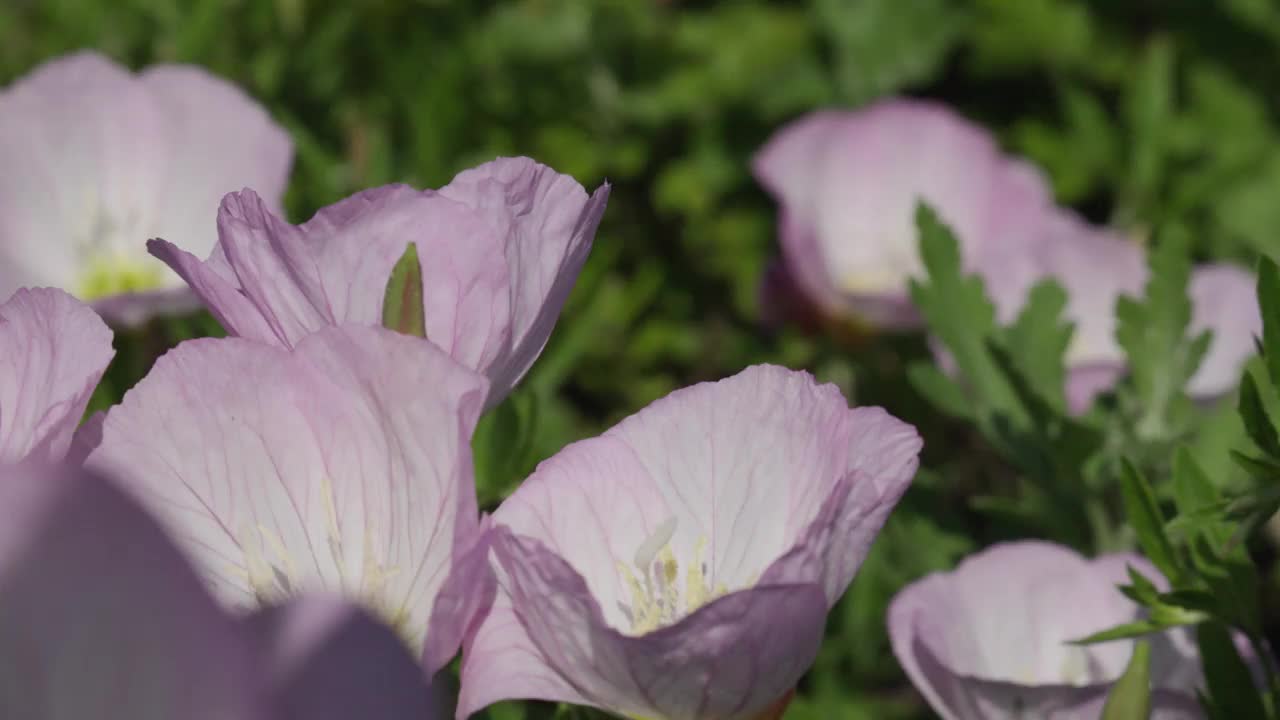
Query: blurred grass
1144,114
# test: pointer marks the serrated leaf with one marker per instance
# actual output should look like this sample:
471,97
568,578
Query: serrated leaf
1130,697
402,302
957,310
1147,521
1152,331
1038,341
1227,679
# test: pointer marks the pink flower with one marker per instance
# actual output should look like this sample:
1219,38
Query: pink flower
847,184
989,640
97,160
500,248
1096,266
53,351
341,465
104,618
682,564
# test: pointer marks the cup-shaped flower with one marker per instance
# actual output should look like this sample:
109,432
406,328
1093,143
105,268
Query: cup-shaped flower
341,465
991,639
847,184
1096,266
53,351
103,617
98,159
500,248
681,565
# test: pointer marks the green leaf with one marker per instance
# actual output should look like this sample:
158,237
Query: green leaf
881,46
1263,469
1137,628
502,445
1038,341
1130,697
1152,332
939,389
1227,678
1150,114
957,310
1147,521
1269,301
1256,420
1141,589
402,303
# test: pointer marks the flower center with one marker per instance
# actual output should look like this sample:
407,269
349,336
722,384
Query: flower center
872,281
273,576
658,598
106,275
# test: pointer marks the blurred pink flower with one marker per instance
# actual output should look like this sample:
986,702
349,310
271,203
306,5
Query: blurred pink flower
500,249
682,564
847,183
989,640
341,465
1096,266
97,160
53,351
104,618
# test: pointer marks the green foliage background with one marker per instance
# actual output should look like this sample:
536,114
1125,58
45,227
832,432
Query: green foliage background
1145,114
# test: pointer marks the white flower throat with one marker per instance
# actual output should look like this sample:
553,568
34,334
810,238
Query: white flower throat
113,260
273,575
658,597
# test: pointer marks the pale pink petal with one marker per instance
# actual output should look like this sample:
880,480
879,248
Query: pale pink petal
84,150
103,618
342,465
747,462
1223,300
836,542
992,636
327,660
223,140
550,225
272,281
729,659
53,351
500,662
849,183
464,273
219,291
462,601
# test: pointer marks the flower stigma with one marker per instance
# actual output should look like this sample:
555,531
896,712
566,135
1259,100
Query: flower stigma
657,599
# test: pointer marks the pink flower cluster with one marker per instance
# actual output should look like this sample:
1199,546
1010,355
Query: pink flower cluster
283,523
848,182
